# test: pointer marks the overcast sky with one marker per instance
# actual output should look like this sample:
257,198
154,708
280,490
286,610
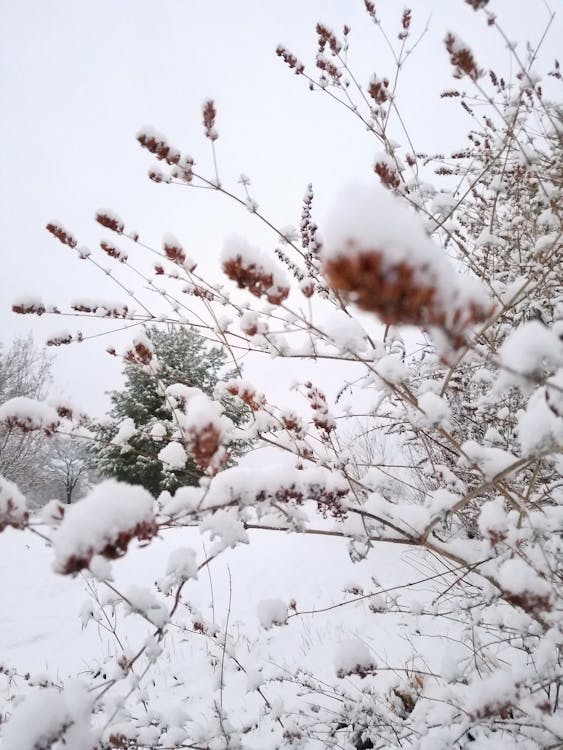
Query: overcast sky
78,78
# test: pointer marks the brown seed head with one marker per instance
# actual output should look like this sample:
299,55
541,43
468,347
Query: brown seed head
61,234
110,222
209,114
462,58
254,278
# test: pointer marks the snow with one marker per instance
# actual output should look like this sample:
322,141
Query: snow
486,238
345,331
252,486
391,368
493,521
540,424
490,695
260,273
517,577
110,219
178,392
46,715
528,349
173,456
366,220
491,461
143,601
436,409
44,630
157,431
103,522
182,565
29,414
224,527
272,612
171,240
52,513
125,432
203,411
13,506
251,323
353,657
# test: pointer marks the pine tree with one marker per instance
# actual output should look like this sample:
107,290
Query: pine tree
141,421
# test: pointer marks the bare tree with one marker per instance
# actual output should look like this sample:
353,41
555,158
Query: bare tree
69,472
25,370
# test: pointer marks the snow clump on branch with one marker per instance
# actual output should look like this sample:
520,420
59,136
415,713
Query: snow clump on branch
103,524
377,253
13,506
253,270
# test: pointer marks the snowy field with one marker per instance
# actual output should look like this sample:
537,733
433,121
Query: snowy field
46,627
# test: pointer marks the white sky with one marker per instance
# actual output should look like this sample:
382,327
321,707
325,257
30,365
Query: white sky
78,78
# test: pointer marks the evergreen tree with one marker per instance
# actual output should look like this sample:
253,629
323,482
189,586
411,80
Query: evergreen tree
183,357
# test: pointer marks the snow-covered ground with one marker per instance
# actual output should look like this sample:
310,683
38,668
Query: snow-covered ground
42,613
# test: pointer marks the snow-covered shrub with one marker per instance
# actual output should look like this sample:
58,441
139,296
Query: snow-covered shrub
468,411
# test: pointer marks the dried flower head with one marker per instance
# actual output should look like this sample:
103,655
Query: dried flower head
290,59
327,37
63,338
461,57
386,170
13,510
140,352
58,231
109,220
209,115
253,271
378,89
247,393
205,446
113,251
381,258
29,307
173,249
157,145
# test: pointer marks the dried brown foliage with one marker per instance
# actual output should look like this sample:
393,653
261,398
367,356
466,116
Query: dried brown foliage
253,277
397,294
110,222
209,115
205,444
113,548
158,146
13,516
461,57
61,234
